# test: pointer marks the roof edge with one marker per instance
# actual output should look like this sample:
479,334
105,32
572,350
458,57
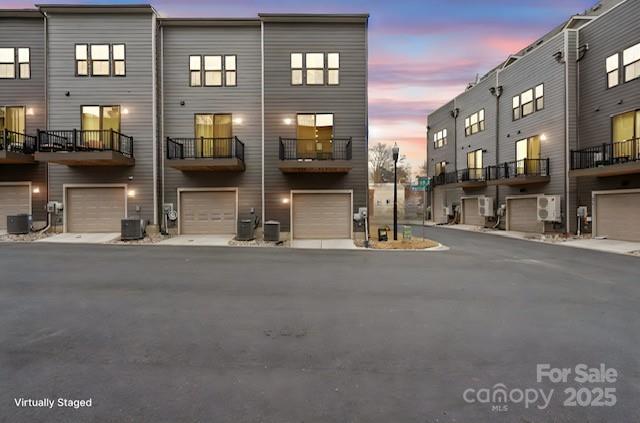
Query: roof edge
200,22
315,17
20,13
97,8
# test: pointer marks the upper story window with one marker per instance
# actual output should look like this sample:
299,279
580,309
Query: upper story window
310,69
195,67
82,60
8,63
100,60
613,70
441,168
528,102
119,60
631,63
213,71
230,71
440,139
474,123
218,71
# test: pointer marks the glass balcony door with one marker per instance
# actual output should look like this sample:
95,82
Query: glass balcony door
96,124
626,134
12,118
214,135
527,156
315,135
474,165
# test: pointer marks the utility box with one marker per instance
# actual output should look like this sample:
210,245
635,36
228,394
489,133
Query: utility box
246,230
132,229
272,231
18,224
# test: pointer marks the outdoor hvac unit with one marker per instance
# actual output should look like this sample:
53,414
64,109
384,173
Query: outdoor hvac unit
246,230
272,231
132,229
549,209
485,206
18,224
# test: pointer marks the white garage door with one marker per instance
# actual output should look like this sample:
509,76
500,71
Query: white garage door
14,199
94,209
321,216
208,212
470,212
617,215
522,215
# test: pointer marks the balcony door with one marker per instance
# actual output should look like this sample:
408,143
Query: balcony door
474,164
214,135
626,136
527,156
97,124
315,135
12,118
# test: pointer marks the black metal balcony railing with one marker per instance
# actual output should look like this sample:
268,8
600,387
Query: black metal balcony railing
75,140
514,169
471,175
315,149
11,141
606,154
446,178
205,148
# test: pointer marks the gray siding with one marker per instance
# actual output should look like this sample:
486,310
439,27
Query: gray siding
242,101
27,32
609,34
134,92
437,121
348,103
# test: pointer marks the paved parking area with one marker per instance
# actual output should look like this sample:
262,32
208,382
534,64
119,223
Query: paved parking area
285,335
81,238
198,240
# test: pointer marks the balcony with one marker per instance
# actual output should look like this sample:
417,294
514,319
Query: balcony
85,148
315,155
620,158
466,178
206,154
16,148
447,178
519,172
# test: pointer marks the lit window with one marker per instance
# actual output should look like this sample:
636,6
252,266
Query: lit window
213,71
631,63
296,68
539,97
440,139
467,127
24,63
119,60
613,72
100,60
516,107
230,79
333,66
195,68
440,168
527,102
315,68
82,63
7,63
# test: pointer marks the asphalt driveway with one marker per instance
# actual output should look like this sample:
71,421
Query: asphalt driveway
206,334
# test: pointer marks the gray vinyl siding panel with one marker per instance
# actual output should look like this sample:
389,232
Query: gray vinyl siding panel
537,67
437,121
30,93
134,92
609,34
242,101
348,103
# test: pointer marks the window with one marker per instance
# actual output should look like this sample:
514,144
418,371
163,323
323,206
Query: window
631,63
213,71
474,123
440,139
24,63
526,98
119,60
296,68
333,66
95,120
100,60
315,135
474,164
315,68
613,72
12,118
230,79
82,60
195,67
527,155
7,63
440,168
626,135
516,107
214,133
539,92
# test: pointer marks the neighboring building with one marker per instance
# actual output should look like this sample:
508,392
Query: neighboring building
23,181
517,129
382,206
213,118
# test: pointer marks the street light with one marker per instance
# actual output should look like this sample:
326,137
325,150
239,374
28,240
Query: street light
396,152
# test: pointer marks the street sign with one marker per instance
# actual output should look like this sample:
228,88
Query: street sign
424,182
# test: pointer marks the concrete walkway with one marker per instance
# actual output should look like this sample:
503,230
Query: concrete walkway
609,245
327,244
83,238
199,240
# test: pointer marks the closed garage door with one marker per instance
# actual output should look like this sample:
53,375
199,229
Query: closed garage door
617,215
14,199
522,215
94,209
208,212
321,216
471,214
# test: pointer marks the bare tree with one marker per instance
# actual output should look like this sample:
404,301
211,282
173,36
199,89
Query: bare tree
424,168
381,165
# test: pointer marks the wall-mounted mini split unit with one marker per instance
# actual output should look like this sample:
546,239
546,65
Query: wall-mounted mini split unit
485,206
549,208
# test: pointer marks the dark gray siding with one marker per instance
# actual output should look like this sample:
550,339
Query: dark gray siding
609,34
437,121
537,67
348,103
134,92
27,32
242,101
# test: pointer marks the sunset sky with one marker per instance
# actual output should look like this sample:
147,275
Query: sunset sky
421,52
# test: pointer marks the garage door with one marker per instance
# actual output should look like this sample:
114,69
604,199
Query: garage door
98,209
321,216
471,214
208,212
14,199
522,215
617,216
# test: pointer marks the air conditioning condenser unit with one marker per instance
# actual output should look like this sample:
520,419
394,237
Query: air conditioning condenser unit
485,206
549,208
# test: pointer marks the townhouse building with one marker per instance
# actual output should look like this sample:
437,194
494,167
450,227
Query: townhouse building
548,140
192,124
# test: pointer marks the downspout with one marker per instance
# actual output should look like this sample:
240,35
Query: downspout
162,139
46,111
262,117
566,131
154,118
497,94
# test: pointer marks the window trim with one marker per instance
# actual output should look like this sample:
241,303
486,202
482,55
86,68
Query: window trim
624,67
15,53
617,69
19,63
468,126
322,69
329,68
301,69
536,98
90,56
76,60
191,71
235,71
124,61
442,139
203,66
